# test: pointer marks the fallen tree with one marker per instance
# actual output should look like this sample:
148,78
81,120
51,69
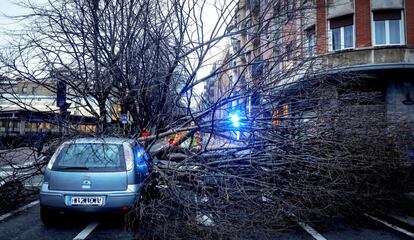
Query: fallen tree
338,163
308,144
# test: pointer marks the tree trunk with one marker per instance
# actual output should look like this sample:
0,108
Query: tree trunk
102,115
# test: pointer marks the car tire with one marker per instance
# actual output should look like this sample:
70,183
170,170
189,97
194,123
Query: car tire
47,216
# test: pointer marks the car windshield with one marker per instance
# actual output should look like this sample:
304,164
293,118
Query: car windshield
90,156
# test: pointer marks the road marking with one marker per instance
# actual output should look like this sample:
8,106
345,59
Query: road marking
307,228
401,230
311,231
405,219
7,215
85,232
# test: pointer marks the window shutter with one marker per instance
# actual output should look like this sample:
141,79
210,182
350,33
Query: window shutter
341,21
387,15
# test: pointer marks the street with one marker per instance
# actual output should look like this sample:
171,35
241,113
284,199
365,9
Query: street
25,224
14,224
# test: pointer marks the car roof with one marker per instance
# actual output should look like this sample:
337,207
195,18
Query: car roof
111,140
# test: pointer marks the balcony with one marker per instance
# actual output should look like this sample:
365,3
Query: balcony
376,56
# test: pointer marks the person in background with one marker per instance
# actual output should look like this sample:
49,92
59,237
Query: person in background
39,142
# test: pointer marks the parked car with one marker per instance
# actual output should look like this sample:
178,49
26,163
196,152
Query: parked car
94,175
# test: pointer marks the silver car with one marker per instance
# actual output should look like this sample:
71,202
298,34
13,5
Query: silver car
93,175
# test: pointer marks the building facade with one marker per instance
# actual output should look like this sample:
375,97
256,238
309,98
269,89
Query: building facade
27,106
375,39
241,63
19,94
277,41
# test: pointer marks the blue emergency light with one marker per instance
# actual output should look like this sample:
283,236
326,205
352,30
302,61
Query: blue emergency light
235,119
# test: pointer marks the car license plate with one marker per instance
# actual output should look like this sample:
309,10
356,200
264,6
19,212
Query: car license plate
86,201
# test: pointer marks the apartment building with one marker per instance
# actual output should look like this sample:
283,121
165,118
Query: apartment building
240,63
375,40
372,40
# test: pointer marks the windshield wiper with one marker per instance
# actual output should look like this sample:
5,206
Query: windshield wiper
72,168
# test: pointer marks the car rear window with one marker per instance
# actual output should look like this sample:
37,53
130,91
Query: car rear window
90,157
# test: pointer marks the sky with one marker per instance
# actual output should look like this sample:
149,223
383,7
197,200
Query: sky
8,8
210,19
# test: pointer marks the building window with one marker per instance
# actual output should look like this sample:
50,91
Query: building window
268,32
341,32
34,90
280,113
237,20
250,31
290,8
388,27
276,10
310,41
248,56
289,52
24,90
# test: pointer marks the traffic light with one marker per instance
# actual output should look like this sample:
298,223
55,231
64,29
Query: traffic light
61,94
61,99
